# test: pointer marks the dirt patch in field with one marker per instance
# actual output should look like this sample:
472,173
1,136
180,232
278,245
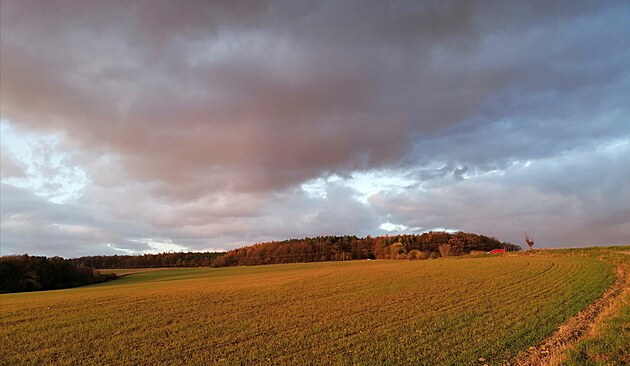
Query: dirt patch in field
550,351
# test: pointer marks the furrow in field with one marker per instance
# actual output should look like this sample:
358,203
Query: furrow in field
390,310
375,329
401,320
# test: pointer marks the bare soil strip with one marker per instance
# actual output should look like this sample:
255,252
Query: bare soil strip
550,351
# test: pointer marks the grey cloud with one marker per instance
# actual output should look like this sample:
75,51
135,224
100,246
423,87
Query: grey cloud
208,116
580,198
230,220
9,167
34,225
279,93
104,221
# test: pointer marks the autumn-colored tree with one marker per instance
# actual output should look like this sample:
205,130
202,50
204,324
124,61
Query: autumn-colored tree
414,254
396,249
457,246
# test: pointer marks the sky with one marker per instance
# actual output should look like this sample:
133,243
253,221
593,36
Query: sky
150,126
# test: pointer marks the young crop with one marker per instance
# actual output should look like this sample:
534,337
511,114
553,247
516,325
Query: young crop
359,312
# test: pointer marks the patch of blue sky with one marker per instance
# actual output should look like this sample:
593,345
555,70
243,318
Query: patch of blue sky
364,184
48,170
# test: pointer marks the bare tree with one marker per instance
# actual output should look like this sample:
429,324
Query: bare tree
529,240
445,250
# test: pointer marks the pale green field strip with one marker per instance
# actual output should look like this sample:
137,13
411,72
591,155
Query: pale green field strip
429,312
128,271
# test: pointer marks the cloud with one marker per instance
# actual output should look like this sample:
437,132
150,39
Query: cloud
9,167
579,198
33,224
203,123
271,100
34,161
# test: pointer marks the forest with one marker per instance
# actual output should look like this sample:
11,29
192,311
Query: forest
179,259
338,248
20,273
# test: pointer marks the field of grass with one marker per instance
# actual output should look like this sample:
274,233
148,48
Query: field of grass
433,312
611,343
128,271
608,342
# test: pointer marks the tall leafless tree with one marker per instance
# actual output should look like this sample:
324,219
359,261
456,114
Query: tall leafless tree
529,240
445,250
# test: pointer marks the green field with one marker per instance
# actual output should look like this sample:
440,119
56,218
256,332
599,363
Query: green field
432,312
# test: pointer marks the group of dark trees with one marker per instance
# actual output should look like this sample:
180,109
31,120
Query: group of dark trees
336,248
20,273
190,259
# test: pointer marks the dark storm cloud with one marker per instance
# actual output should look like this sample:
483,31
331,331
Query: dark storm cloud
209,115
274,94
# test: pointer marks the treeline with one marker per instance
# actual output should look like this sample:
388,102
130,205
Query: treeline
19,273
190,259
337,248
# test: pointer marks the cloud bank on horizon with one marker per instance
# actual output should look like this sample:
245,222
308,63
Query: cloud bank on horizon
152,126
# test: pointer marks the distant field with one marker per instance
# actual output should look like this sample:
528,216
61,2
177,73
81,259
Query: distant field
128,271
432,312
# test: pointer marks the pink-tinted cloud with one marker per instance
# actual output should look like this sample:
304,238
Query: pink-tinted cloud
198,122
